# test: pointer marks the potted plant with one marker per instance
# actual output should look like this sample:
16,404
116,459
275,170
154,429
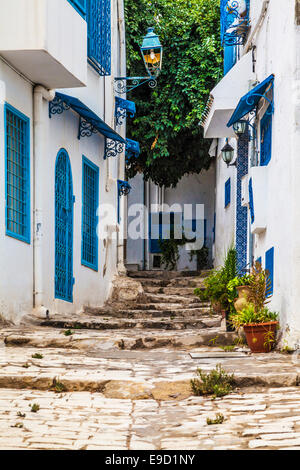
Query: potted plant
239,288
259,323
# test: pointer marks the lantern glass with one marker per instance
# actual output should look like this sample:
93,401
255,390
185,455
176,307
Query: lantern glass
227,153
152,52
239,128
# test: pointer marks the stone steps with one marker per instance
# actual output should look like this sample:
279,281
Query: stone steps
168,275
170,290
194,313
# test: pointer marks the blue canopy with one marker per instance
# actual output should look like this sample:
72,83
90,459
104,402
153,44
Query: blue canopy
132,148
126,104
248,102
88,115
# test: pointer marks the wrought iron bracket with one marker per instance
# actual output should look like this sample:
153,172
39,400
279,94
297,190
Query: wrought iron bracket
124,188
113,148
124,109
235,22
57,106
127,84
251,102
86,128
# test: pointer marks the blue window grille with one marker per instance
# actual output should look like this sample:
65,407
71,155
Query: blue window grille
227,192
64,202
266,138
230,58
251,201
17,174
270,269
80,6
90,201
99,35
234,21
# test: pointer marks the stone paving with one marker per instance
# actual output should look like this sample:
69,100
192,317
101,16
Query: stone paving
266,420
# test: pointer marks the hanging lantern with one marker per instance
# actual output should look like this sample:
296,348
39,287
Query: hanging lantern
227,153
152,52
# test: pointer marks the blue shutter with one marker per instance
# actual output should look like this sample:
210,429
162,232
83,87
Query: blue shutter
251,201
270,269
227,192
266,138
80,6
99,35
229,58
90,201
17,169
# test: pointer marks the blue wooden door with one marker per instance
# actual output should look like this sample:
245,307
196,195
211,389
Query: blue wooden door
64,201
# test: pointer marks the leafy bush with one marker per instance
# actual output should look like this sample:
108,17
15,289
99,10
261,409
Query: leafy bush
216,382
218,420
250,315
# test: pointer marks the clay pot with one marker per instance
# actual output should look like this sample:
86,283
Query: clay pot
258,334
217,307
242,300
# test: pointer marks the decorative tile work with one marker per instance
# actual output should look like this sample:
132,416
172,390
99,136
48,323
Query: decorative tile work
241,212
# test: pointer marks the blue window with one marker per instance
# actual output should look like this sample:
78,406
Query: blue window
227,192
90,201
230,58
80,6
270,269
266,138
64,215
17,174
99,35
251,201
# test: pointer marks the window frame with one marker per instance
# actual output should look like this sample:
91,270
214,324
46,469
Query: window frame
77,6
94,266
102,69
267,118
27,237
227,193
269,267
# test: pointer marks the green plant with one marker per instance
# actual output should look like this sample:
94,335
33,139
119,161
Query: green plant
219,419
202,257
286,349
228,348
68,333
21,415
249,315
26,366
58,386
260,287
269,340
170,252
35,408
18,425
37,356
216,382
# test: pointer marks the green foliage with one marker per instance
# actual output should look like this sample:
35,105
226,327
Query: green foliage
202,257
216,382
35,408
58,386
167,120
37,356
170,251
260,287
68,333
219,419
250,315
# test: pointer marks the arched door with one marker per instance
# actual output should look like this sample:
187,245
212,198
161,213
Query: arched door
64,201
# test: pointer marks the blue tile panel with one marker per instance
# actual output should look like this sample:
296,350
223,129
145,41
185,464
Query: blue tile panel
90,202
241,212
99,35
266,138
269,266
64,202
17,174
227,192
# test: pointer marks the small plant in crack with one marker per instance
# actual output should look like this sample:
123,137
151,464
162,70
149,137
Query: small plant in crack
58,386
21,415
68,333
216,382
228,348
219,419
35,408
37,356
18,425
26,366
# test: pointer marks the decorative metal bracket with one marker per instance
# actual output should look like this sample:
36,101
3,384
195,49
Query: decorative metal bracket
234,21
57,106
251,102
124,188
132,149
112,148
124,109
127,84
86,128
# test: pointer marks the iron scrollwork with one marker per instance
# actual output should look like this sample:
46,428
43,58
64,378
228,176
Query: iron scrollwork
57,106
112,148
86,128
127,84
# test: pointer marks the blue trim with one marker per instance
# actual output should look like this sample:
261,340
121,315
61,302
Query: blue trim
241,224
266,138
227,192
269,266
89,237
251,201
80,6
64,216
99,35
230,57
124,109
25,236
133,149
234,23
249,101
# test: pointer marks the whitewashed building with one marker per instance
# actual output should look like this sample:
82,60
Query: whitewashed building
256,106
61,153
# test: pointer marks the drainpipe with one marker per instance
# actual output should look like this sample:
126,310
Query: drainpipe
39,94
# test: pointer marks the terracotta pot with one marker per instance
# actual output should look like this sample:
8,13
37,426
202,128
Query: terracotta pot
258,334
217,307
242,300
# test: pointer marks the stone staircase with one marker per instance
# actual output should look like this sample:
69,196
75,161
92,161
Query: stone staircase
167,314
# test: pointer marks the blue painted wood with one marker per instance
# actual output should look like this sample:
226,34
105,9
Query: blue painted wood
227,192
251,201
64,202
269,266
89,223
230,58
17,174
266,138
80,6
99,35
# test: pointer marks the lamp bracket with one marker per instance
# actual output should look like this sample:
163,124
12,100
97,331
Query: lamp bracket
127,84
